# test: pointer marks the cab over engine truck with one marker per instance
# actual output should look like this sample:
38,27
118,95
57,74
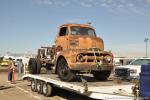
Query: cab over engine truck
77,49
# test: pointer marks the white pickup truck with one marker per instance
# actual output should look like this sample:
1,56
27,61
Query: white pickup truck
132,70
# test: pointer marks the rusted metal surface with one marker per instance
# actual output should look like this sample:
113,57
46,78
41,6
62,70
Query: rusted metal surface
81,48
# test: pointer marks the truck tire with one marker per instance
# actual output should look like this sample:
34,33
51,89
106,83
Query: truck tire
101,75
47,89
32,66
38,66
63,71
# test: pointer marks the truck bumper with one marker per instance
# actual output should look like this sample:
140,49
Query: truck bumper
89,67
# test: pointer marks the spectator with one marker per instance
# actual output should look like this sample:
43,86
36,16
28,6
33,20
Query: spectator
25,68
20,67
11,66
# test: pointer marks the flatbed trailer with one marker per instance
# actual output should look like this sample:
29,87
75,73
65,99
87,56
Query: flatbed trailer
87,86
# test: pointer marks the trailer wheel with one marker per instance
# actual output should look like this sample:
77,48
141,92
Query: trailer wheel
32,66
39,86
63,71
46,89
101,75
33,85
38,66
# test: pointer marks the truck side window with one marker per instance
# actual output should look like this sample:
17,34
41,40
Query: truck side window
63,31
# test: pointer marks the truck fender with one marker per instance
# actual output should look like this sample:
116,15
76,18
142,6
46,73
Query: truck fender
57,59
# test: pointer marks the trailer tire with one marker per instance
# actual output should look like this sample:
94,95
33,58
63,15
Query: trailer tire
101,75
33,85
32,66
38,66
47,89
39,86
63,71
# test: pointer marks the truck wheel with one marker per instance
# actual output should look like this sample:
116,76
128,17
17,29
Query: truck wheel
47,89
63,71
101,75
33,85
39,86
38,66
32,66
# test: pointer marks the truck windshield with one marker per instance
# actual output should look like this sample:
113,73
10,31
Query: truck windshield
75,30
140,62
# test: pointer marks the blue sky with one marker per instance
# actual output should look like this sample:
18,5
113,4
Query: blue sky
25,25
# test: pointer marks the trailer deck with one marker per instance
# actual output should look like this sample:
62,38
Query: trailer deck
88,86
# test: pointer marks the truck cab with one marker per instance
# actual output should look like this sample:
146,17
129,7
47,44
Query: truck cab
74,36
80,50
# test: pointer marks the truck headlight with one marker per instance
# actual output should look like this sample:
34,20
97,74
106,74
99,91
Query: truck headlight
133,71
80,58
108,58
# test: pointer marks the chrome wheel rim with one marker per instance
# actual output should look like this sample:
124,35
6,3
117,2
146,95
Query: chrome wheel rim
44,88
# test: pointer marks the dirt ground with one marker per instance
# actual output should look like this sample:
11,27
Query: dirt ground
21,90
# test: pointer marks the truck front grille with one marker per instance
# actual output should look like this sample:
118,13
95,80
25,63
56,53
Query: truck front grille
122,72
91,57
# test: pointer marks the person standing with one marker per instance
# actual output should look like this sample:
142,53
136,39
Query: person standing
20,67
11,67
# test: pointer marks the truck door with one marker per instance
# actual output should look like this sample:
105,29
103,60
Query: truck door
61,40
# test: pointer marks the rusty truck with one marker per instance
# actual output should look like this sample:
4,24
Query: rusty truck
77,49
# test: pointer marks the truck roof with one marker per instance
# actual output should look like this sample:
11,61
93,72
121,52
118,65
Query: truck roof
74,24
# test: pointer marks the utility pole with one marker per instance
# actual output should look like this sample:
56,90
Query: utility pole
146,40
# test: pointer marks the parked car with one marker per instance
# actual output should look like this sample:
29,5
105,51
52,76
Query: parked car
132,70
4,62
